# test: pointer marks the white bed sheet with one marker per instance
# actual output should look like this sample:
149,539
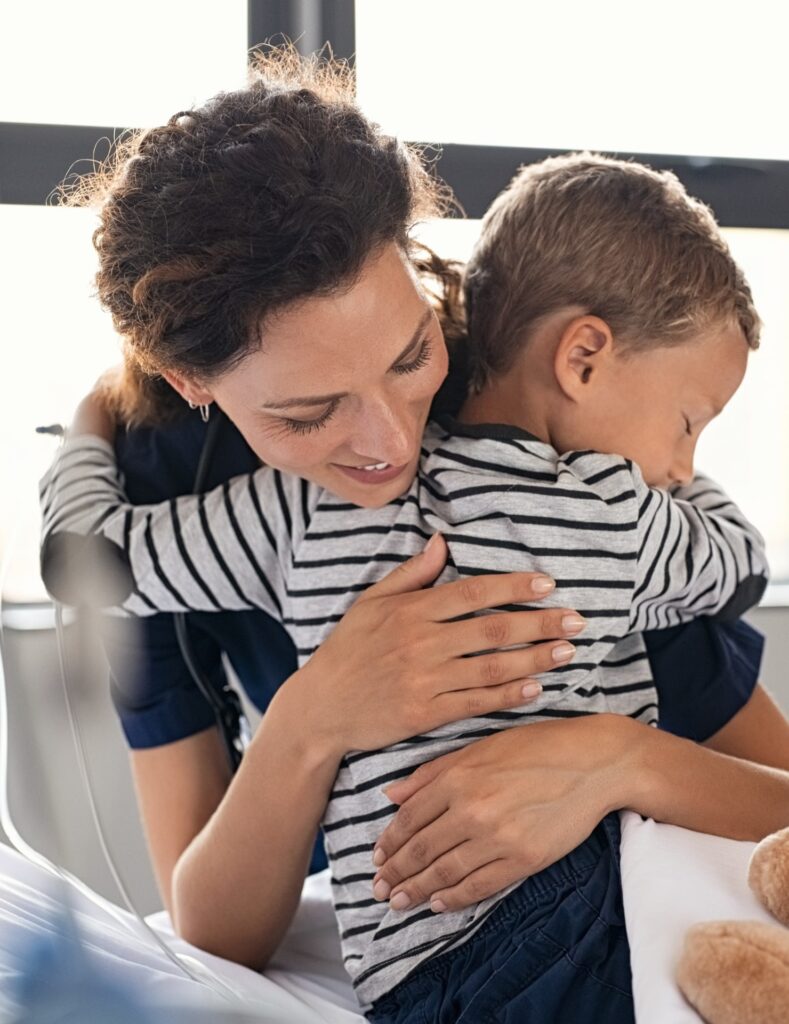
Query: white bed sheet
306,983
672,879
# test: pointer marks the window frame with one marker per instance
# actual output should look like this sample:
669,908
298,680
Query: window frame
35,158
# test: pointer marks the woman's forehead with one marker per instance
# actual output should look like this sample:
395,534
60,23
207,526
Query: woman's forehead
337,342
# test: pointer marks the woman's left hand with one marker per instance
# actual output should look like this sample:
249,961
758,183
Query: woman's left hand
501,809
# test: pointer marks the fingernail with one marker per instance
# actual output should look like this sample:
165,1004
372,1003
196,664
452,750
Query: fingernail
543,585
562,652
381,890
531,690
379,857
438,906
400,901
573,624
431,543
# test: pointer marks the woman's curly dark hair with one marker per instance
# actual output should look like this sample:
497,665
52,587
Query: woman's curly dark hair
235,209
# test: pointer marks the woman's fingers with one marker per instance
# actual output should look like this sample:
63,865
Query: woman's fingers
490,670
506,629
414,815
477,701
419,883
464,875
474,887
414,574
437,856
411,861
400,791
475,593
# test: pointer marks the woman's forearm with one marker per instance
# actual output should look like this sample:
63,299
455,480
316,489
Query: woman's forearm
677,781
237,885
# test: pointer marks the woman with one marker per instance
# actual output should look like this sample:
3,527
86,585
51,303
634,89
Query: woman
216,233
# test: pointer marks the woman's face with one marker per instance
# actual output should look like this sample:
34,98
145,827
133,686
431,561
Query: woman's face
340,391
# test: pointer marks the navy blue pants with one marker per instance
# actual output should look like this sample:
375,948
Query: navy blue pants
554,951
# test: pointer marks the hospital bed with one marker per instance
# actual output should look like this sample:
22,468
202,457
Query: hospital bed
672,879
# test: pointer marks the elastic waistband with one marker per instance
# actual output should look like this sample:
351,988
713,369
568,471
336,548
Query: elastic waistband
591,868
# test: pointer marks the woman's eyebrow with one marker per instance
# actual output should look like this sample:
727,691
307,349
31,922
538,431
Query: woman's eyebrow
312,400
289,403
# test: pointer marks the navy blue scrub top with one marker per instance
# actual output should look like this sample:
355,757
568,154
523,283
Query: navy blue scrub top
705,671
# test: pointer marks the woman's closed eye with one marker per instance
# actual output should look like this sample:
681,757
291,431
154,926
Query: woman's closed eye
308,426
301,427
420,359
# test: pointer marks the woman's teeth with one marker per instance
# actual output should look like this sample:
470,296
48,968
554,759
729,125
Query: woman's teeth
377,466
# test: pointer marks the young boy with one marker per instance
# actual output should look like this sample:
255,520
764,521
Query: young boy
608,324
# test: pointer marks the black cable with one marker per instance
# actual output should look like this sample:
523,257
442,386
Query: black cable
223,699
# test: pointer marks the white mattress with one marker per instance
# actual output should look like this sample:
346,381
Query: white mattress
672,879
306,983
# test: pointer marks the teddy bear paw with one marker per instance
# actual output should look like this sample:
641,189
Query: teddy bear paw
736,972
768,875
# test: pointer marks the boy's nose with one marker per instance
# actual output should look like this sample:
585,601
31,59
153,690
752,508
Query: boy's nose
681,472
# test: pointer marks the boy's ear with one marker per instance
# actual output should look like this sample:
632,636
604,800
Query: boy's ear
583,351
188,389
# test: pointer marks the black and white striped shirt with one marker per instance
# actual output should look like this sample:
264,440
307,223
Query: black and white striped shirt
628,557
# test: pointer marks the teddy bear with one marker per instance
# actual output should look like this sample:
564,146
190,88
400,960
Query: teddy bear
737,972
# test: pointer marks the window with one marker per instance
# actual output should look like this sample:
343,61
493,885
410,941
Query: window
118,65
672,77
56,341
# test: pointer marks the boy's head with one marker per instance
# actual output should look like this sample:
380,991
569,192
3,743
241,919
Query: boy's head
603,300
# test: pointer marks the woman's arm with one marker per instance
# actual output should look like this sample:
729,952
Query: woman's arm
759,732
179,786
237,883
413,639
236,886
478,819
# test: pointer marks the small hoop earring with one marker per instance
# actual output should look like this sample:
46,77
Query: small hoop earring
205,410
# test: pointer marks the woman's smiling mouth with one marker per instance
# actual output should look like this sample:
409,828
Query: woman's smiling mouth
375,473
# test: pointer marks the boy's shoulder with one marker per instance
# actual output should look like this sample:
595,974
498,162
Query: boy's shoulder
506,457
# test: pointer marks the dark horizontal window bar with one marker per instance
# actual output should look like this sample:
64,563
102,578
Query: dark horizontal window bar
742,193
35,158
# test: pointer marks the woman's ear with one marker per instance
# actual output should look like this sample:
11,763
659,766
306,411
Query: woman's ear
582,355
188,389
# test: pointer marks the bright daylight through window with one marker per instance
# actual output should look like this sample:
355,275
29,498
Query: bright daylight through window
530,89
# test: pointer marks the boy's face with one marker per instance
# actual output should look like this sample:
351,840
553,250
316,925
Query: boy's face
651,406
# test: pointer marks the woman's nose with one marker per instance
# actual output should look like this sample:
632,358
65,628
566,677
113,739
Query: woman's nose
386,435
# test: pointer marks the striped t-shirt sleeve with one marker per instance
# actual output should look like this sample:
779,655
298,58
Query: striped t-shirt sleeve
220,550
697,555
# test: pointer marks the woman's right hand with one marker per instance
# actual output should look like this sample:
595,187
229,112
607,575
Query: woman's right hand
397,664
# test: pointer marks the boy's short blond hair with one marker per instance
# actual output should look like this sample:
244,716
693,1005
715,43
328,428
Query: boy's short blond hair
625,242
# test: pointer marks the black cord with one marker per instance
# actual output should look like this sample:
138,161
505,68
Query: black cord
223,699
